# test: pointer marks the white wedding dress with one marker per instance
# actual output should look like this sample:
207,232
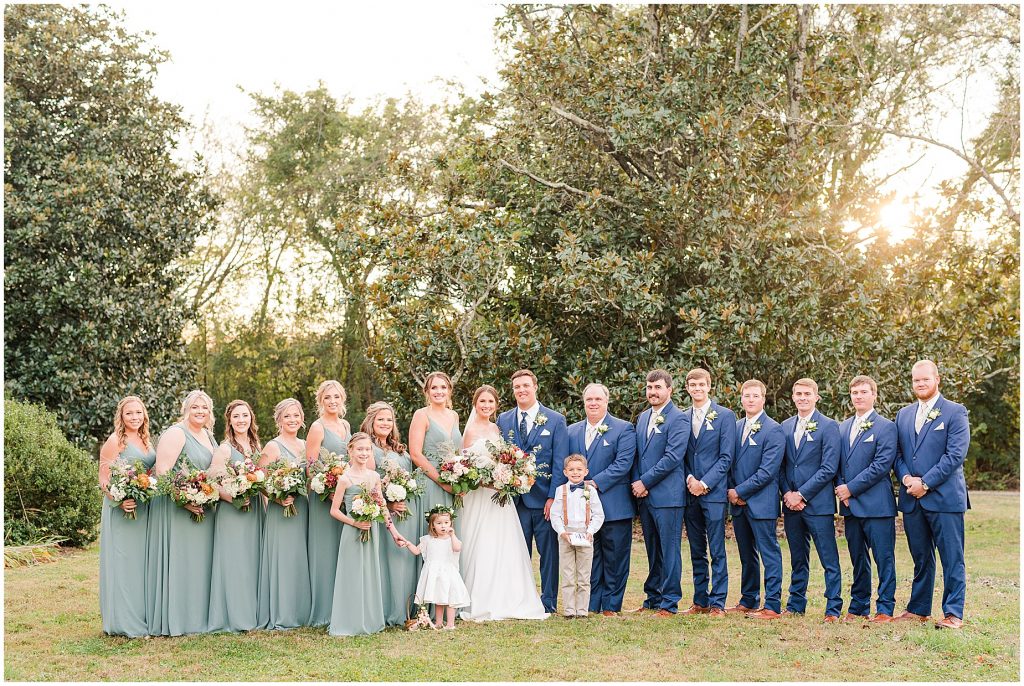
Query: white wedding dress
495,562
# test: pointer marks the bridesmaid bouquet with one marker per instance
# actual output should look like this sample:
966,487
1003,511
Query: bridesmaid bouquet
399,485
131,482
242,480
513,473
367,506
324,473
185,486
462,471
285,479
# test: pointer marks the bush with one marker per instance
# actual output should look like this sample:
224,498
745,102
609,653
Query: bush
49,484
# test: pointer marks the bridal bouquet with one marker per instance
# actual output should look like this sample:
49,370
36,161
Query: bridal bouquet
242,480
462,470
324,473
187,486
513,471
399,485
367,506
285,479
131,482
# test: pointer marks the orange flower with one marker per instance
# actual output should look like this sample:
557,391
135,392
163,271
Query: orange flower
207,488
250,477
337,471
143,480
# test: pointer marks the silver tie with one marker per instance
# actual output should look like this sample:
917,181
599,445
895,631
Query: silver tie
854,430
921,417
746,431
591,433
698,419
652,422
800,426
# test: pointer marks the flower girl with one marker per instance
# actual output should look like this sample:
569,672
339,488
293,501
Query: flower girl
440,582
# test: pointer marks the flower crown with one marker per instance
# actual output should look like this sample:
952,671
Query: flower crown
440,509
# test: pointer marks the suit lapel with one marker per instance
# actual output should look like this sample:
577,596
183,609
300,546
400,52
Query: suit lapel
803,440
598,437
927,426
860,437
536,426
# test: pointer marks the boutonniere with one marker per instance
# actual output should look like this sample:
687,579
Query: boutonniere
811,427
710,417
541,420
659,420
864,426
934,414
755,427
601,429
586,493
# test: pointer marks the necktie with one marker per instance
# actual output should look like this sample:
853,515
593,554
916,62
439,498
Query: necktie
921,416
591,433
800,426
522,427
746,430
854,430
698,419
652,422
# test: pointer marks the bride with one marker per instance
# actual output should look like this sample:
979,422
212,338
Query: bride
495,561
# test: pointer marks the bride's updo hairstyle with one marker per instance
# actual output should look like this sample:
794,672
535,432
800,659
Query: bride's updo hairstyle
430,379
494,394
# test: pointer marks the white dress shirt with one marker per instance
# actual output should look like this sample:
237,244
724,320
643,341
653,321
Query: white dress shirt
531,417
577,507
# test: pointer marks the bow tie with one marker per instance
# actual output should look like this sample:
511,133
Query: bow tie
573,487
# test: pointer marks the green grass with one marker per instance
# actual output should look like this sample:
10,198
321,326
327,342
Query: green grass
53,632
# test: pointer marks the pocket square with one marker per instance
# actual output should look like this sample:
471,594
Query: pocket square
870,439
751,439
545,432
810,439
605,443
941,426
708,427
657,430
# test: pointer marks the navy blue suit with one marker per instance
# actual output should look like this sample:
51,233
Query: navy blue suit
936,520
755,476
659,466
870,518
551,437
709,458
609,462
811,470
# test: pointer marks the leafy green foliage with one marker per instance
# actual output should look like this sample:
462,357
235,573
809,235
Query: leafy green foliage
49,485
97,215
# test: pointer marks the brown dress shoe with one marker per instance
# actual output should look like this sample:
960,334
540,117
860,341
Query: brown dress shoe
850,617
831,619
910,617
664,613
696,610
716,612
610,613
640,610
790,613
763,613
950,622
740,608
881,619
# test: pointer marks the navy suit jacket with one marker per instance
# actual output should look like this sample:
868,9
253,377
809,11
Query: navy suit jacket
554,445
936,455
866,467
609,460
812,469
755,468
709,456
659,461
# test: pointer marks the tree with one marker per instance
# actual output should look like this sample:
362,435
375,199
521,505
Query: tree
97,216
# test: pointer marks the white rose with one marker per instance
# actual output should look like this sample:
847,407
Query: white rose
317,484
116,493
260,475
411,483
395,493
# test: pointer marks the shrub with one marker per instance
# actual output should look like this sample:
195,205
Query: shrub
49,484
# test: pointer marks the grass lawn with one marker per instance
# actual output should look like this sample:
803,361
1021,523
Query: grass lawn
53,632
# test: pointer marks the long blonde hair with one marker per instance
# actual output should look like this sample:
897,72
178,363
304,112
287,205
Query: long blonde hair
394,439
119,430
191,398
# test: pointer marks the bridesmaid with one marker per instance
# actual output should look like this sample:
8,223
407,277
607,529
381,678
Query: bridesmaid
123,541
329,432
284,593
180,554
237,535
399,569
358,606
432,426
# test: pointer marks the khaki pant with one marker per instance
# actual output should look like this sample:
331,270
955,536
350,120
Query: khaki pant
574,571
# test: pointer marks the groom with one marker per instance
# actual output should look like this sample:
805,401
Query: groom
532,426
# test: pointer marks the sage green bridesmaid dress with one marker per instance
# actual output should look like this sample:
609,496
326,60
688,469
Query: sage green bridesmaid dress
399,568
358,606
433,494
284,593
179,564
237,542
123,545
322,539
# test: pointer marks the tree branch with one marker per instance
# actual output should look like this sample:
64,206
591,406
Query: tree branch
558,185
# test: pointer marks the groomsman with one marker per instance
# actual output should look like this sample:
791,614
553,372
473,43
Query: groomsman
867,454
609,444
657,475
934,435
709,452
754,496
532,426
808,501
